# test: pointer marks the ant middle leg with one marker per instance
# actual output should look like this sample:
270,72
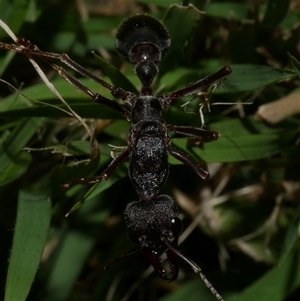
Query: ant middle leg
199,168
97,98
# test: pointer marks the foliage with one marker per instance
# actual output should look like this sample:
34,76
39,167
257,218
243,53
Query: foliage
245,217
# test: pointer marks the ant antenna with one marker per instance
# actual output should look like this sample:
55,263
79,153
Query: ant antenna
195,268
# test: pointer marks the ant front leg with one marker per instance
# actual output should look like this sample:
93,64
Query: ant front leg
97,98
196,86
105,175
24,46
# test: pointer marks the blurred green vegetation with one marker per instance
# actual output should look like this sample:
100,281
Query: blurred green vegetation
243,223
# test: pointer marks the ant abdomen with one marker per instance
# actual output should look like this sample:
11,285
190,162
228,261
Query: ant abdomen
147,32
143,41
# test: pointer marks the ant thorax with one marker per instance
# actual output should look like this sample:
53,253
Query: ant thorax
147,107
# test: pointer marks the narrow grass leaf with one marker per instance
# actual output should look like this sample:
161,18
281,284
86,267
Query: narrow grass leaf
277,284
174,19
240,148
276,11
17,167
295,63
33,218
72,252
100,187
291,238
228,10
114,74
14,14
88,110
11,149
160,3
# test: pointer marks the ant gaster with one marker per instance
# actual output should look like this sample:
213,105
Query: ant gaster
152,222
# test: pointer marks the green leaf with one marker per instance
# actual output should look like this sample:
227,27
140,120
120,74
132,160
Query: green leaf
251,77
174,19
295,63
74,148
165,3
276,11
239,147
15,168
276,284
291,238
15,14
228,10
87,110
117,77
74,248
99,188
30,236
45,103
40,93
13,162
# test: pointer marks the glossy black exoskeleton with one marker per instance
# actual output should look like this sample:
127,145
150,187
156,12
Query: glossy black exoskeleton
152,222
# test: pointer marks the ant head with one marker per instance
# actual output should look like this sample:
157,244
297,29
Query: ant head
143,41
150,224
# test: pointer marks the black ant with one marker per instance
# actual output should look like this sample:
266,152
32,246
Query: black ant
152,222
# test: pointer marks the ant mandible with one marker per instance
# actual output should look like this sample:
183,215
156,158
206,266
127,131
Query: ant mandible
152,222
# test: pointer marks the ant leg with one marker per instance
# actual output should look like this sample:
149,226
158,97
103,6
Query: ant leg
95,97
105,175
196,86
198,168
26,47
192,131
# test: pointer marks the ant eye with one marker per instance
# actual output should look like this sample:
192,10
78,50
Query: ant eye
176,225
